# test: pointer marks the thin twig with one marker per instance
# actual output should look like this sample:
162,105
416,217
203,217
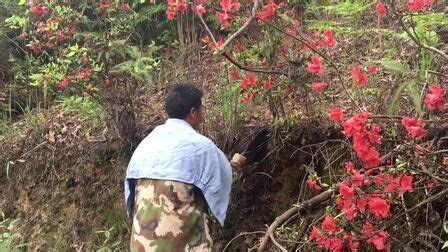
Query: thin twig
239,235
255,70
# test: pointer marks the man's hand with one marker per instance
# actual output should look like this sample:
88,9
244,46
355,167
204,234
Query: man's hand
238,161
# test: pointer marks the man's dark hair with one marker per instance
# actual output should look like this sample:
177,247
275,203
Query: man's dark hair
181,99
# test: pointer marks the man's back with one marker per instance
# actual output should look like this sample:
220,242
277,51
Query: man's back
170,174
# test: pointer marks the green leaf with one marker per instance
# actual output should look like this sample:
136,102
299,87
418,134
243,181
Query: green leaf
396,98
395,65
445,245
445,227
21,2
414,93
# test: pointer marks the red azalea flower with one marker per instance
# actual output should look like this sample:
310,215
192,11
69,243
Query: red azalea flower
247,98
226,5
380,8
361,205
329,225
39,10
269,11
234,75
347,192
224,18
434,99
337,115
351,241
315,66
319,86
328,39
359,78
61,36
249,81
267,84
64,83
373,69
418,5
125,6
170,15
413,127
403,183
378,206
313,184
104,5
36,47
380,240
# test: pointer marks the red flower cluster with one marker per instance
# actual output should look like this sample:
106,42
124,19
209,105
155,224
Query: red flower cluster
199,9
227,7
365,136
435,98
413,127
249,81
83,72
336,115
313,184
247,98
267,84
39,10
125,7
105,4
174,7
378,239
64,83
402,184
380,8
358,76
315,66
326,39
269,11
319,86
418,5
328,237
234,75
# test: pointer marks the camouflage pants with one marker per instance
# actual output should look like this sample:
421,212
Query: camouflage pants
169,216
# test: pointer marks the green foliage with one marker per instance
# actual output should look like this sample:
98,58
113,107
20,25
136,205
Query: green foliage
17,22
140,64
83,105
9,240
429,20
445,229
348,8
395,66
110,237
411,87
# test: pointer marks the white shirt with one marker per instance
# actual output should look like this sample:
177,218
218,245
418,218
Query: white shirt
175,151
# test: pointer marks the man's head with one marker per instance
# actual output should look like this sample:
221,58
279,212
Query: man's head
184,102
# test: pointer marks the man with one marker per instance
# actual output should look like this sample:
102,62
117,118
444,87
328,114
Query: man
174,176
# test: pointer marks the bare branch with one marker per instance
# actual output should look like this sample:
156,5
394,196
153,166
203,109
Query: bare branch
233,36
307,204
208,30
242,28
255,70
